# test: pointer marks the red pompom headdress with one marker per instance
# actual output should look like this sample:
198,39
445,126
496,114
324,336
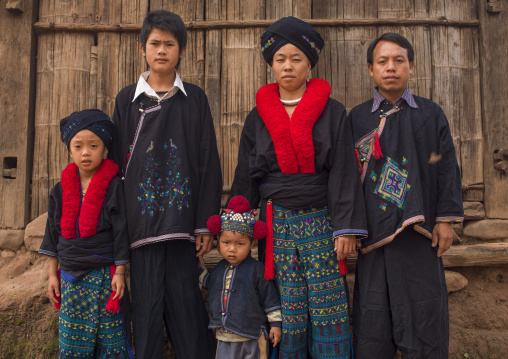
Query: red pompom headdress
238,217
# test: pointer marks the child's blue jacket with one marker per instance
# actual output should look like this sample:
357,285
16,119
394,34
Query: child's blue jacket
249,300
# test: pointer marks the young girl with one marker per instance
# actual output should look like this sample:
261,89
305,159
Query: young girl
86,233
244,307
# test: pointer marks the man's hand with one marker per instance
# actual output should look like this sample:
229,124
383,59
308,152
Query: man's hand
442,236
204,244
345,245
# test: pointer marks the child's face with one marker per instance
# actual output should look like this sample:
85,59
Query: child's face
234,246
87,151
162,51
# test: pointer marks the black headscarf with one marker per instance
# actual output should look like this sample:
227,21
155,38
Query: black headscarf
295,31
93,120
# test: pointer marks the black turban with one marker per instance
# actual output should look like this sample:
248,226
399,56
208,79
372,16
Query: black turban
295,31
93,120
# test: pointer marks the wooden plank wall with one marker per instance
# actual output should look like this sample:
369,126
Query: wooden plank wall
17,49
228,64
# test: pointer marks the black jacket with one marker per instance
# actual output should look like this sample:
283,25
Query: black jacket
250,298
173,182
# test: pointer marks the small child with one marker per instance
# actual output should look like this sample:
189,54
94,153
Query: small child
86,233
242,303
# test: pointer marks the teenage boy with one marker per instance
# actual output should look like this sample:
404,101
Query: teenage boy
167,151
412,191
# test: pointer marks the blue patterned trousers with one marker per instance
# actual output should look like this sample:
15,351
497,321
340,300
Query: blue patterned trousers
86,329
315,309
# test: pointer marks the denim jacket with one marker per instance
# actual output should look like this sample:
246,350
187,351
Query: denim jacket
249,298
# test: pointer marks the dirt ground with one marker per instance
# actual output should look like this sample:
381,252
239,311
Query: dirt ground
29,325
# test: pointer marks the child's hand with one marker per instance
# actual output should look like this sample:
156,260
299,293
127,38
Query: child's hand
275,335
118,285
53,289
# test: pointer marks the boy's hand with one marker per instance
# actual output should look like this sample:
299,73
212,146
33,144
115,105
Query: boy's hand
118,285
204,244
275,335
442,235
345,245
53,288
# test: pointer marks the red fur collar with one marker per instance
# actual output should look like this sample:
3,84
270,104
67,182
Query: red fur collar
292,139
90,209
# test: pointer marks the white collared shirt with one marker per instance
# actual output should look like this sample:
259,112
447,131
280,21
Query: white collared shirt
144,87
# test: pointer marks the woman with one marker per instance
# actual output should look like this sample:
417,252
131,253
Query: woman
297,156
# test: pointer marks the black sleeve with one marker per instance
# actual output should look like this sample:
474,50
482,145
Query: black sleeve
267,293
243,183
117,215
209,171
345,193
52,232
115,153
449,187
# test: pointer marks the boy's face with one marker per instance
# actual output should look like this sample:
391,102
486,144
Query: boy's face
87,151
390,69
162,51
234,246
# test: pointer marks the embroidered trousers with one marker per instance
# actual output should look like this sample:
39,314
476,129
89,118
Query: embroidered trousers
86,329
315,313
400,301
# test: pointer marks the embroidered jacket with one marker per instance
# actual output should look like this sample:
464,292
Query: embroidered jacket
249,299
306,161
415,179
101,215
168,156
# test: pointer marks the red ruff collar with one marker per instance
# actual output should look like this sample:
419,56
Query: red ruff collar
90,209
292,139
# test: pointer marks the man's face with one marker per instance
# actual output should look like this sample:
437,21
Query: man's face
390,69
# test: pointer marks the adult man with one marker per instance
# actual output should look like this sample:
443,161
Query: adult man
412,189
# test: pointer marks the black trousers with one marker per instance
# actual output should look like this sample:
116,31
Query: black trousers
400,301
165,290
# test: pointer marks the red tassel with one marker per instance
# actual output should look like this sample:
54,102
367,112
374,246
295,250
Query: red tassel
58,304
358,162
269,267
376,147
343,267
113,305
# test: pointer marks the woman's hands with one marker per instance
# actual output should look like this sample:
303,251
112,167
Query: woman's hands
345,245
118,282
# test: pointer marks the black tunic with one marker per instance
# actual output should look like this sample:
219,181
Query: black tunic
417,180
111,219
173,181
334,161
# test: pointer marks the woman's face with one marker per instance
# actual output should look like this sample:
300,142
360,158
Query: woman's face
290,66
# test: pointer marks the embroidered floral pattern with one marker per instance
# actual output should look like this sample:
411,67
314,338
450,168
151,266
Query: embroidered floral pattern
69,128
268,43
392,184
312,44
163,185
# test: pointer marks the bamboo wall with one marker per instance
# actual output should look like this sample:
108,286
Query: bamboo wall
98,54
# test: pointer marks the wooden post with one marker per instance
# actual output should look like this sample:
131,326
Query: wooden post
494,90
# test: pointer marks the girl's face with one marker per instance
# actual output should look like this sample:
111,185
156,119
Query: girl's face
290,67
234,246
87,151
